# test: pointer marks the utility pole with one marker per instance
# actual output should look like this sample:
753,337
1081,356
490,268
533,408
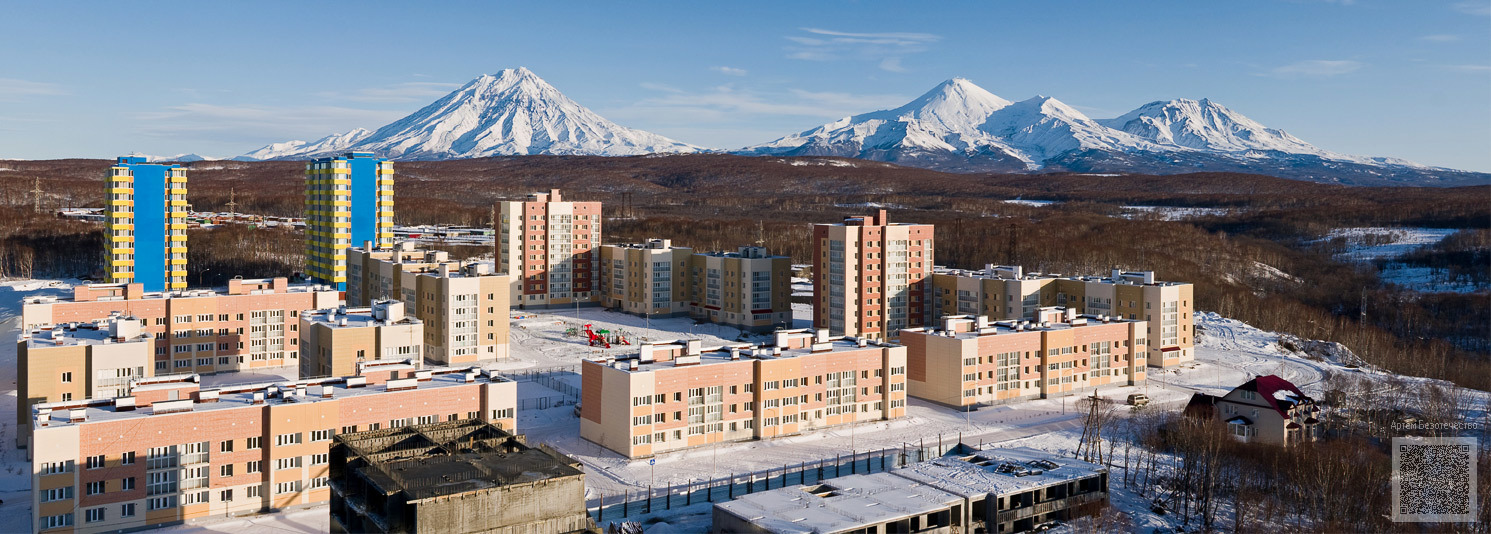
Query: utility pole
232,206
36,190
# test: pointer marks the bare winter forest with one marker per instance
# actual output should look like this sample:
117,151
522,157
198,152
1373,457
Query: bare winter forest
1258,254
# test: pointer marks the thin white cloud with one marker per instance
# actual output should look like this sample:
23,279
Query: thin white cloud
732,71
1473,8
1316,68
884,49
1441,38
660,87
257,124
12,89
1468,68
728,105
400,92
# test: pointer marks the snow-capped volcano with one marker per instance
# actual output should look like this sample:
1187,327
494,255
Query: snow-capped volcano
959,126
958,118
513,112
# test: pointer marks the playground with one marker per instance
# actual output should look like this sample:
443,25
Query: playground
565,337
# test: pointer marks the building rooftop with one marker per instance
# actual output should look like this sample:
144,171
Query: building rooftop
839,504
124,291
370,381
743,252
116,329
786,344
450,458
1015,273
969,472
1050,318
381,313
651,244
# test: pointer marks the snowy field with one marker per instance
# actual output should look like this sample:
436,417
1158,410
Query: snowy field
1228,353
1172,213
1370,244
1035,203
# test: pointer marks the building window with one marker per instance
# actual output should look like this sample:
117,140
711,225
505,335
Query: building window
67,378
254,466
286,439
321,435
253,492
127,510
95,462
127,484
55,521
252,443
94,488
227,446
226,470
225,495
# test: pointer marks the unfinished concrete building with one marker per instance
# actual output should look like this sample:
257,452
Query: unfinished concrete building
461,476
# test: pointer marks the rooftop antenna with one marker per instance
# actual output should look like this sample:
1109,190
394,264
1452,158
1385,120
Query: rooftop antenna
36,191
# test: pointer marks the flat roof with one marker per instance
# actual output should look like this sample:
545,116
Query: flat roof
356,318
721,354
1008,327
997,471
185,293
64,335
837,504
242,396
986,275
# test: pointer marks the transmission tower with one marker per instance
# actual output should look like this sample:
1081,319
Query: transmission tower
36,191
231,204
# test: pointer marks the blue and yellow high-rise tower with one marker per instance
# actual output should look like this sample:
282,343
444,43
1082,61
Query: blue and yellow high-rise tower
348,202
145,216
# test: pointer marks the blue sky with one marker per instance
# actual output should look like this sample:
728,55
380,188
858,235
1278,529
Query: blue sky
1408,79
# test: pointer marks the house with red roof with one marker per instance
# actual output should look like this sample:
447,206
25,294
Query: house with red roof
1266,409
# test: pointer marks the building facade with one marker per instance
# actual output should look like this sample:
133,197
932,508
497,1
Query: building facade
673,396
464,476
749,289
145,224
869,276
463,304
174,451
348,199
970,362
649,279
1008,293
335,342
250,324
78,362
550,247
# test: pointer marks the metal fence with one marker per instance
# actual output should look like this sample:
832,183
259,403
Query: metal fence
631,503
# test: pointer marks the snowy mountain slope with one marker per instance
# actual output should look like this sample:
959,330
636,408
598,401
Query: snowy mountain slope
958,126
330,143
513,112
179,158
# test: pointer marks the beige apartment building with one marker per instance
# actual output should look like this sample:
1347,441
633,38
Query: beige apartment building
1008,293
250,324
971,362
679,395
870,276
749,289
174,451
550,247
463,304
335,342
650,279
59,363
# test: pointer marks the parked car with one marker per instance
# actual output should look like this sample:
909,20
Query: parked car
1138,399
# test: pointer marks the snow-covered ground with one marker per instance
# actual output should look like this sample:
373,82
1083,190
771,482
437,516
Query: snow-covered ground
1228,352
1172,213
1368,244
1036,203
802,287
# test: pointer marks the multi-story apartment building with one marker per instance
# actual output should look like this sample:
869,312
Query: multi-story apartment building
463,304
336,342
174,451
749,289
549,246
672,396
1008,293
650,279
348,199
145,224
250,324
869,276
77,362
970,362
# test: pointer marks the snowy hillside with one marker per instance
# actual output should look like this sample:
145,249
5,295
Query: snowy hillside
959,126
513,112
330,143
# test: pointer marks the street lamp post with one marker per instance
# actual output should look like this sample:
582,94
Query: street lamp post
200,275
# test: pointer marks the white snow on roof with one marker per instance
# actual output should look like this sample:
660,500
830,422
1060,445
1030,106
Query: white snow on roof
838,504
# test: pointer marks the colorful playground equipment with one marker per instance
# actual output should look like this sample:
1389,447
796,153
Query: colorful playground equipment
604,338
